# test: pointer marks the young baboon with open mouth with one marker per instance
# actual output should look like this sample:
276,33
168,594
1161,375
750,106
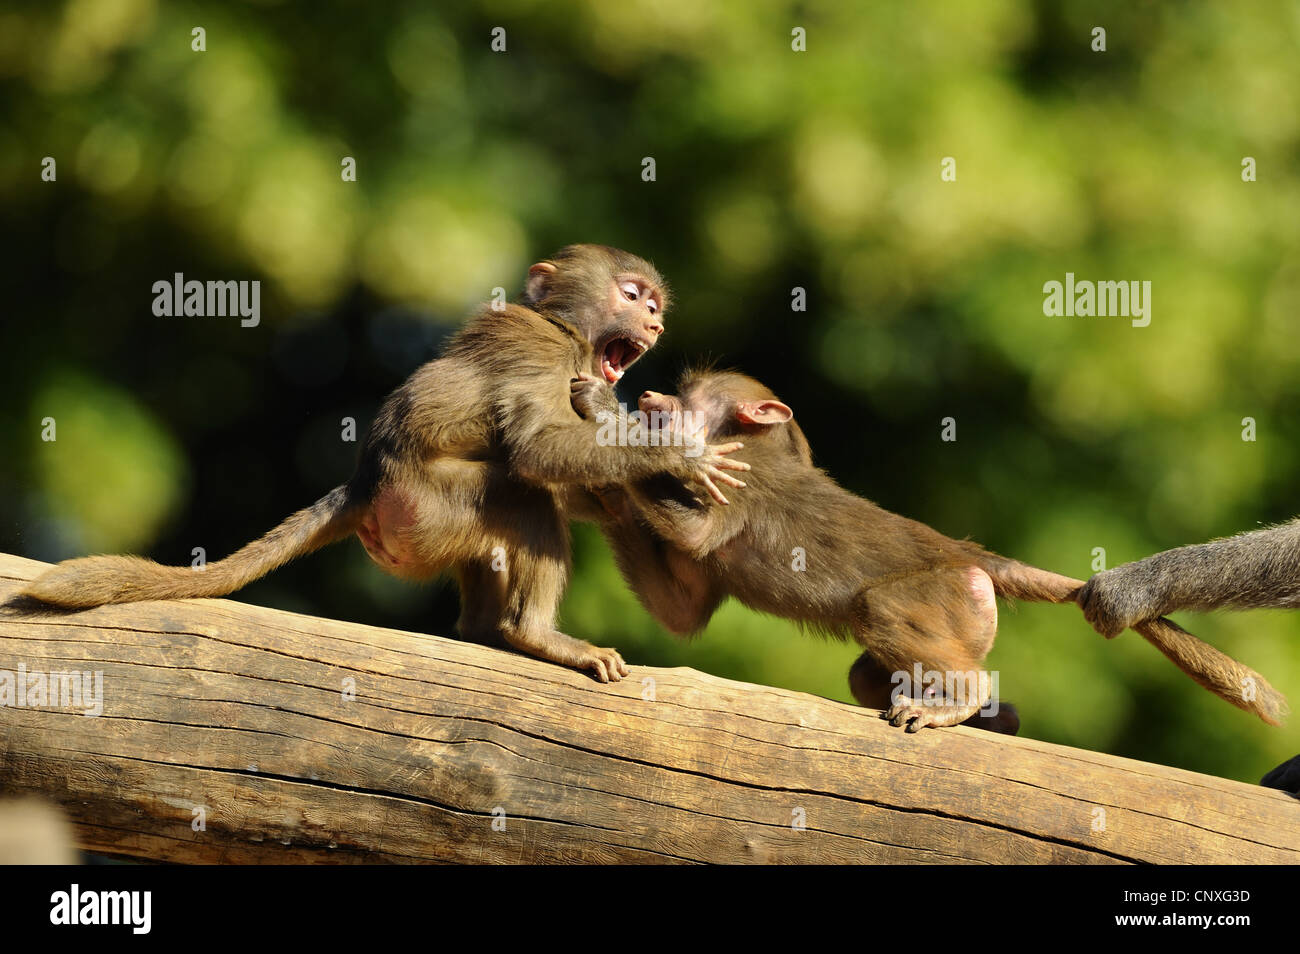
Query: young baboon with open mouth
468,465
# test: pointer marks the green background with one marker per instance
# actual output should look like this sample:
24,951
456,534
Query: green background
775,169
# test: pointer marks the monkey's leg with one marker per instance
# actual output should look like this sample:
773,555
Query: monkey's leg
930,632
529,562
537,571
508,543
674,589
482,603
424,520
872,686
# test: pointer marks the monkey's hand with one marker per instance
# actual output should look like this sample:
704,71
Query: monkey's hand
590,395
711,463
605,664
1114,600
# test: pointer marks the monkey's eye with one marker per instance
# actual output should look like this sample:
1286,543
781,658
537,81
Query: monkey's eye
652,306
630,291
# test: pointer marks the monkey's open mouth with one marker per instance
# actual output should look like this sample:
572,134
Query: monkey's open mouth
619,355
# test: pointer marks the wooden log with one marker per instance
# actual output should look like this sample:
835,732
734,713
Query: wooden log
235,733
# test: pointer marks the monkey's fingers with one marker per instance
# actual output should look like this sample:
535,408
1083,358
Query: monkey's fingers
607,664
725,477
916,714
713,490
900,717
722,450
909,719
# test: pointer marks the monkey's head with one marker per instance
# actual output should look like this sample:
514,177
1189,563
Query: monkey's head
732,406
614,298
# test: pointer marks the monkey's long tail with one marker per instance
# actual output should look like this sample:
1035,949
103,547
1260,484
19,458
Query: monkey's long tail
1213,670
93,581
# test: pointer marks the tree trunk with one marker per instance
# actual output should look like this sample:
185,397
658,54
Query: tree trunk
234,733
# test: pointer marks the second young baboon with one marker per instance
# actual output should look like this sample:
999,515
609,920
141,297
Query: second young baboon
467,465
1250,570
800,546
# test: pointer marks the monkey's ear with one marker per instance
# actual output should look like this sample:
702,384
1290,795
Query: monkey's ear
764,412
539,281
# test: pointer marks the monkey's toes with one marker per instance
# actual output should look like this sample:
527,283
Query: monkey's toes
917,715
607,665
907,712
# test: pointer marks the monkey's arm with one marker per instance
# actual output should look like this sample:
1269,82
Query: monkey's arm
700,528
549,443
694,526
547,448
1256,569
677,590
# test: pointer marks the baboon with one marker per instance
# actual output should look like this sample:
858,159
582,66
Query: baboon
467,466
798,545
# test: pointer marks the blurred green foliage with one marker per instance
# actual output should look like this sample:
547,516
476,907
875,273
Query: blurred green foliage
775,169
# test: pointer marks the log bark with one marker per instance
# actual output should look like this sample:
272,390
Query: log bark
297,739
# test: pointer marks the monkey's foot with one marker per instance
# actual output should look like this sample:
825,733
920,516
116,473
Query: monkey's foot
916,714
607,664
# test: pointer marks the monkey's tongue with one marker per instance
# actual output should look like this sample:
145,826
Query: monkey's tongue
612,364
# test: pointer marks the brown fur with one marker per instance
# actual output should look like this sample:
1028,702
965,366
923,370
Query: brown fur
907,593
464,468
1256,569
93,581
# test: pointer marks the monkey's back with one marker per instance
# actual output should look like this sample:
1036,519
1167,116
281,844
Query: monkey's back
809,547
458,405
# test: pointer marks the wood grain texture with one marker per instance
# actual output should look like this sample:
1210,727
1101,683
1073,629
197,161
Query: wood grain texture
243,712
